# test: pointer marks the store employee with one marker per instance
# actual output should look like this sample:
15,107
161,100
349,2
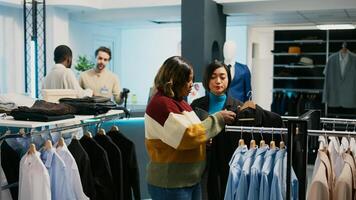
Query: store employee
99,79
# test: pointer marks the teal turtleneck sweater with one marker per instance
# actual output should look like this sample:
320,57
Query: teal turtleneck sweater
216,103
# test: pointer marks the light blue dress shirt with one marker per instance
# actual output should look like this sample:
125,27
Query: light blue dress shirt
267,174
242,188
255,174
278,186
236,163
60,183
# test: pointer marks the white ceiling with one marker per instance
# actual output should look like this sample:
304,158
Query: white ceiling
123,13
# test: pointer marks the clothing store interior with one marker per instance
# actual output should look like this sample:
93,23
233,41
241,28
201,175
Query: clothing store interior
77,76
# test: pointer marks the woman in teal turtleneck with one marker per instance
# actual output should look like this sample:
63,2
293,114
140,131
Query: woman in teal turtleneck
219,150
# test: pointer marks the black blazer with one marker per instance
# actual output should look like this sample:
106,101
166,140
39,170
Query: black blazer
115,160
100,167
82,159
129,164
10,161
219,150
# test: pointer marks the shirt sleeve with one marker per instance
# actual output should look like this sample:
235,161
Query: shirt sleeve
116,90
72,83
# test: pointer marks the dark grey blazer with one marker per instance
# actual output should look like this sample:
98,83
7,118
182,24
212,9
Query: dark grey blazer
340,91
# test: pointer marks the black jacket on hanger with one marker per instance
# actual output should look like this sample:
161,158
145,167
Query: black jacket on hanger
219,151
10,162
86,175
100,167
115,160
129,162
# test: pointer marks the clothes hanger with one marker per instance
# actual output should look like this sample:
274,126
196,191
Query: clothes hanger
262,142
344,48
272,144
241,141
88,134
323,146
101,132
282,145
114,128
249,103
31,149
253,141
48,145
60,142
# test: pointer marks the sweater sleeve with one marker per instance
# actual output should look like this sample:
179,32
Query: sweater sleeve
181,130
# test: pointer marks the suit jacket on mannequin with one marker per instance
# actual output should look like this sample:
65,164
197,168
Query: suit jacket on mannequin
241,83
340,91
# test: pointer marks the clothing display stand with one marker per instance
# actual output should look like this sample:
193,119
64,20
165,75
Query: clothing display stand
80,121
299,128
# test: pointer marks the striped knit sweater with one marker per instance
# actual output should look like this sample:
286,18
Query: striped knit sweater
175,141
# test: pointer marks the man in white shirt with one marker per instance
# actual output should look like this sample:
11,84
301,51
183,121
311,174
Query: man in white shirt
61,76
100,79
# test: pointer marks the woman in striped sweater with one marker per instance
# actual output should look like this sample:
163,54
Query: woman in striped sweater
175,137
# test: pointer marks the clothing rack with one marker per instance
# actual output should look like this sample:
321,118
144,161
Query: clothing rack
79,122
298,129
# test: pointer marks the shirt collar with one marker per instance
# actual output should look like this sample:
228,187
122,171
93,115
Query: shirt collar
271,152
59,65
343,57
261,150
280,153
47,157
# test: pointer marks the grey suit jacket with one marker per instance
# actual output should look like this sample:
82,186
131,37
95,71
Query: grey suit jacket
340,91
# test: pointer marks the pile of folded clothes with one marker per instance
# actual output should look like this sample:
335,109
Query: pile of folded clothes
43,111
90,105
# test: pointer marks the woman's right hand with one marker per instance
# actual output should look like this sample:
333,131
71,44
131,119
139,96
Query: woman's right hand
229,116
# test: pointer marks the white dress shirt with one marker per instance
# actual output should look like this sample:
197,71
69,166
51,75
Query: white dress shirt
34,182
5,194
61,77
72,172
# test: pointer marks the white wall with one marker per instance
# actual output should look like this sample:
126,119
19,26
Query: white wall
238,34
143,52
260,42
86,38
11,50
57,31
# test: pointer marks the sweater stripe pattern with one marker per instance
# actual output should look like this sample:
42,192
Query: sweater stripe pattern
175,141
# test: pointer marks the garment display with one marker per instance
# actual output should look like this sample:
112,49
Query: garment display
100,167
83,162
240,87
295,103
339,89
89,105
43,111
59,180
131,177
61,77
244,177
4,194
10,162
72,173
115,161
104,84
34,180
334,170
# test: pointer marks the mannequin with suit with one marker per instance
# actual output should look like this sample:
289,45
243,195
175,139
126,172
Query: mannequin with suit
241,77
